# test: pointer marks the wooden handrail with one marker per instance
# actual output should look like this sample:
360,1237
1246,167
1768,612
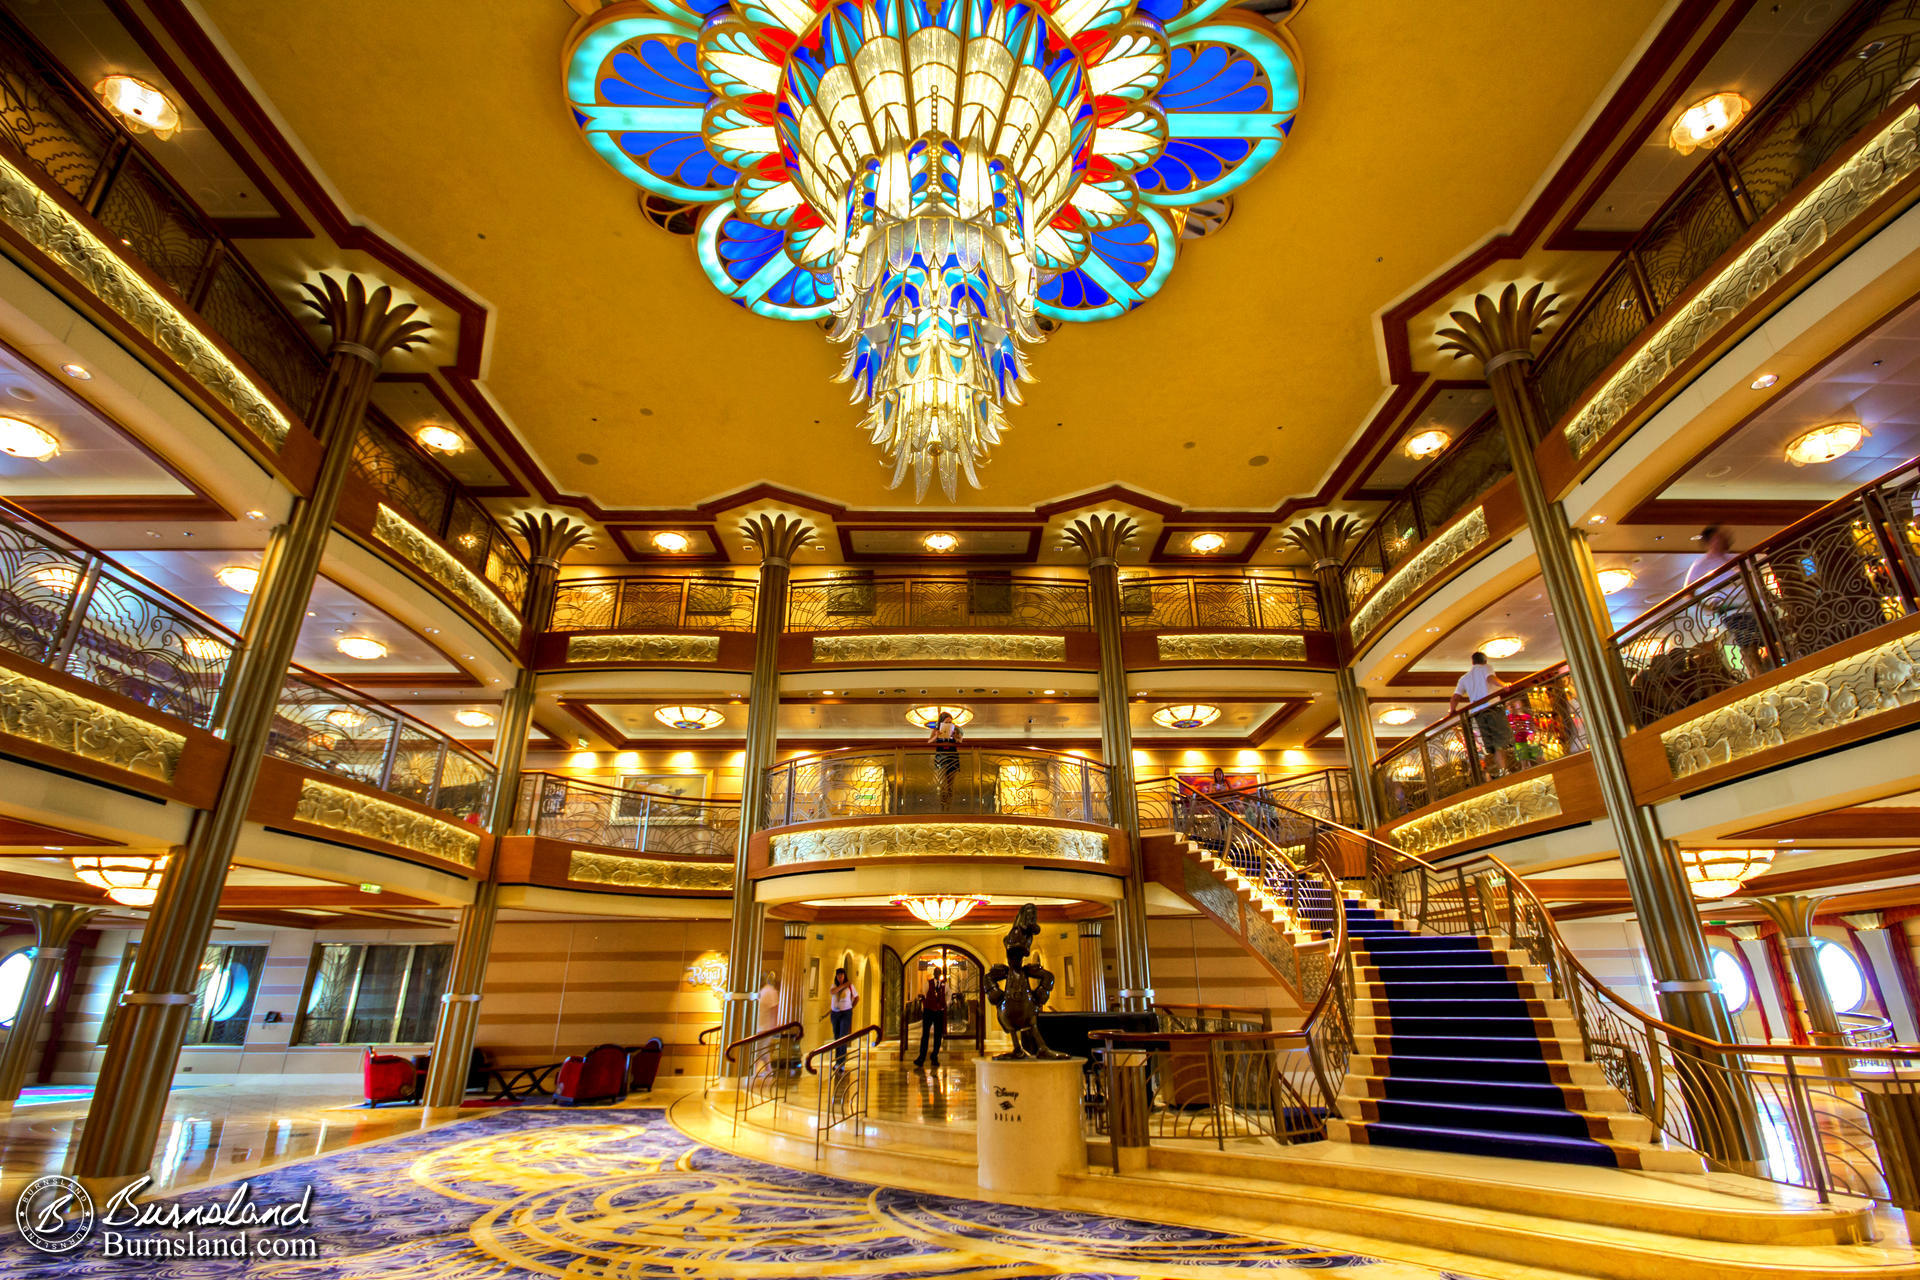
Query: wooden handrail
913,743
847,1039
1216,1008
587,784
785,1028
706,1037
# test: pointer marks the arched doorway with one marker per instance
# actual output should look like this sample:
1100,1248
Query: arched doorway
967,1009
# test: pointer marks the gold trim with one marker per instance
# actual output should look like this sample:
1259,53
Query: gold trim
622,648
940,648
648,873
939,840
1850,191
434,560
1242,646
53,717
338,809
1840,693
1466,533
40,219
1483,815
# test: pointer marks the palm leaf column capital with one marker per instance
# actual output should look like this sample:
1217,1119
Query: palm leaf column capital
367,323
1102,536
779,536
1324,539
549,537
1499,330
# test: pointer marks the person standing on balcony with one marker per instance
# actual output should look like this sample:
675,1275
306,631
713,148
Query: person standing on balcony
933,1017
841,997
1727,604
1490,723
946,738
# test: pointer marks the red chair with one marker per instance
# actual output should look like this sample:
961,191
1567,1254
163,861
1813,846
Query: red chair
389,1079
643,1066
600,1076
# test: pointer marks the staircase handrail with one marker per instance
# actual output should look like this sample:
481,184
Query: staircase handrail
792,1029
872,1029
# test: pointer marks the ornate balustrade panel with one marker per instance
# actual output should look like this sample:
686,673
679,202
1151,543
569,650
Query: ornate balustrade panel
909,780
408,481
580,811
1526,725
1223,604
980,601
644,604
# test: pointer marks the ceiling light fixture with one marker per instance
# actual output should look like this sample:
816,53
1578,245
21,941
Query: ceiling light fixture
473,718
928,716
440,439
361,648
348,718
946,182
1720,873
24,440
1186,715
1426,444
139,105
1764,381
1614,581
1503,647
130,879
1397,715
1824,444
670,542
238,577
78,372
1706,122
940,911
692,718
60,579
1205,544
940,542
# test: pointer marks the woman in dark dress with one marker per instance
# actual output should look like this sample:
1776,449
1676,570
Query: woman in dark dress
945,737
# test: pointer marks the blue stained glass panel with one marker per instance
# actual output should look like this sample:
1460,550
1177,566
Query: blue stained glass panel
1213,78
678,157
663,75
1072,291
1189,164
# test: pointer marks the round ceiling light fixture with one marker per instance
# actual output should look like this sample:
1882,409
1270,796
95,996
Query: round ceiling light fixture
1186,715
139,105
670,542
24,440
78,372
940,543
942,911
440,439
1720,873
1397,715
1425,444
696,718
1824,444
1614,581
130,879
928,716
347,718
1706,122
238,577
361,648
473,718
1501,647
1205,544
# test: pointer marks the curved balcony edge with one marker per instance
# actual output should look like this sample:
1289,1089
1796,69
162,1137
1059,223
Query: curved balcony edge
1549,797
1055,844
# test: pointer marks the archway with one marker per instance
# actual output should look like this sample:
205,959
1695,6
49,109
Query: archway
967,1007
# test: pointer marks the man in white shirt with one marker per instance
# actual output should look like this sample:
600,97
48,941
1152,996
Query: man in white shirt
1490,722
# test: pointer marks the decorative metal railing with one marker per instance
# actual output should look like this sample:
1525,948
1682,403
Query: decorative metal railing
1172,1086
710,1044
974,602
581,811
1222,603
1471,465
1213,1017
907,780
1847,569
323,725
66,606
844,1086
56,126
1529,723
645,604
1866,1030
410,482
1848,79
764,1066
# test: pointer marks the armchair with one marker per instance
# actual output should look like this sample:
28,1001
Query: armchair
599,1076
643,1066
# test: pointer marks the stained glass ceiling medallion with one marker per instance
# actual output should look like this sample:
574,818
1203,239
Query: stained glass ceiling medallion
934,177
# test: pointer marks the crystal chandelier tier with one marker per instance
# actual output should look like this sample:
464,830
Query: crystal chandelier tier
939,180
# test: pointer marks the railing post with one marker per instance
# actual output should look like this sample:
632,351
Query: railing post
439,776
640,827
1762,603
77,605
1901,569
392,750
106,174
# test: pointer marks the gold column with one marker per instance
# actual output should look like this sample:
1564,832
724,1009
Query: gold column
793,972
548,539
1325,540
1093,967
1792,914
1499,333
778,537
1101,538
123,1119
53,927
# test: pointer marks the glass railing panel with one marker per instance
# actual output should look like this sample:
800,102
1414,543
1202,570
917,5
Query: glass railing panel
47,124
466,786
401,478
653,604
1613,314
1471,466
141,214
1524,726
910,781
581,811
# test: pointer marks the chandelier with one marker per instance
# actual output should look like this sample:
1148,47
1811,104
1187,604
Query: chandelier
941,911
130,879
1721,873
939,180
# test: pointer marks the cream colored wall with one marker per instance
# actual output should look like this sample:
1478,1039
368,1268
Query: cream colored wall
1194,961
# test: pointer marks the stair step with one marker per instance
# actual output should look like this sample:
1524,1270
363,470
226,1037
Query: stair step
1553,1121
1482,1142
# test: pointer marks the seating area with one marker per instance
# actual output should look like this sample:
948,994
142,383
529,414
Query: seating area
606,1073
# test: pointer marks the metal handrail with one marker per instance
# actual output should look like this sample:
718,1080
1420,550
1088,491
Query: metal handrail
863,601
1464,722
847,1039
636,602
559,807
793,1029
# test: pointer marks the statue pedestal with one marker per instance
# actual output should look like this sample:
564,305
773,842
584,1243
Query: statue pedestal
1029,1131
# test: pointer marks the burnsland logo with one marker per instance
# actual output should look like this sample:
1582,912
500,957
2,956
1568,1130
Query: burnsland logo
56,1215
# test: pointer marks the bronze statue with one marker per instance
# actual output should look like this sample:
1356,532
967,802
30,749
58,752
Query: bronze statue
1019,989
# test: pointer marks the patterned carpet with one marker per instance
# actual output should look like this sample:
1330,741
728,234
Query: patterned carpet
621,1193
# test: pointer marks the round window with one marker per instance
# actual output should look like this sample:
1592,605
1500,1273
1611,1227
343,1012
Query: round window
13,984
1732,977
1846,984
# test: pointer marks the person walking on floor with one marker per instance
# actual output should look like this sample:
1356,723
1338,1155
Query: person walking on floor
933,1018
841,997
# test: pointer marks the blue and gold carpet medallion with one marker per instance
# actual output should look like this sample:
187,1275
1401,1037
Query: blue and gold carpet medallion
621,1194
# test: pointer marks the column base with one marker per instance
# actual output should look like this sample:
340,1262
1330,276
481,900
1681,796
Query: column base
1029,1135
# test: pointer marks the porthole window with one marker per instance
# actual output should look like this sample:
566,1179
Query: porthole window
13,984
1846,983
1732,977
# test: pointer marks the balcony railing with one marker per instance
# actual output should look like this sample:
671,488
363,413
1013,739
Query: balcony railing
1471,465
580,811
1853,75
323,725
1325,795
1847,569
1223,603
653,604
68,607
59,128
980,601
435,501
1529,723
908,780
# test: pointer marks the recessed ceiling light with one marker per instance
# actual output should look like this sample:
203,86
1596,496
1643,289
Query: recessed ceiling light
473,718
1186,715
1764,381
928,716
256,515
78,372
1706,122
1822,444
690,717
440,439
239,577
24,440
139,105
1048,692
1425,444
1613,581
670,542
1596,519
1206,544
1397,715
940,542
361,648
1503,647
